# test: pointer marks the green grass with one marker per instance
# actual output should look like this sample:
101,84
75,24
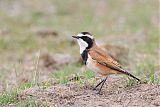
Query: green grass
118,18
131,82
148,72
62,75
26,86
75,20
8,98
30,102
73,73
11,97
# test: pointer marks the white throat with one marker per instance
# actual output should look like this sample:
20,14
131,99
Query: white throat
82,44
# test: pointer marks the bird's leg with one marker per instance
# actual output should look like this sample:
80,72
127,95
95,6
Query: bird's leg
102,85
98,84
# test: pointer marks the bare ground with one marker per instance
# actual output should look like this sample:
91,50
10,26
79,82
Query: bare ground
114,95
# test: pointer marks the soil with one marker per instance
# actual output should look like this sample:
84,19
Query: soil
114,94
39,20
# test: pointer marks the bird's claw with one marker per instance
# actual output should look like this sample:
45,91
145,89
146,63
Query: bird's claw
99,93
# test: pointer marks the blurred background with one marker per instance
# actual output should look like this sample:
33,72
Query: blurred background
36,43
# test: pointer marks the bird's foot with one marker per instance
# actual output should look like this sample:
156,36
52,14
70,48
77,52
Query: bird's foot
99,93
95,88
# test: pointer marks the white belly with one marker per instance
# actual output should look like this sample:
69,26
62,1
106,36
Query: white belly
91,64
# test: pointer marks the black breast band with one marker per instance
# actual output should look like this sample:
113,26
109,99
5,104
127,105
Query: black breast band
85,56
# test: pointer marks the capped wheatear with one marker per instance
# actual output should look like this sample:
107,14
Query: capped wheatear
97,60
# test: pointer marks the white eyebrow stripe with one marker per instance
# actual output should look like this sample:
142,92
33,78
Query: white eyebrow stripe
89,36
80,35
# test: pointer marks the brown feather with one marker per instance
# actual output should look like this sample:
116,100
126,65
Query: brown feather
102,58
106,63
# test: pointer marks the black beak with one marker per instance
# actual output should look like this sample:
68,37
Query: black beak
75,37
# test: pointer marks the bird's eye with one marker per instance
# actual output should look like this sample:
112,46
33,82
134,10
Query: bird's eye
87,39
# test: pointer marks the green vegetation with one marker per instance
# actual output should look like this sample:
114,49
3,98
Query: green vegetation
26,86
127,23
70,73
12,97
131,82
31,102
150,74
8,98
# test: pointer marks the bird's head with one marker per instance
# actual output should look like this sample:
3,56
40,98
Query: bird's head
85,40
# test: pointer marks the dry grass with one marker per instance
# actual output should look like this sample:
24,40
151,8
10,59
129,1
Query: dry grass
27,30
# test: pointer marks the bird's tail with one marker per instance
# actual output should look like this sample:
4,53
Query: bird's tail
129,74
125,72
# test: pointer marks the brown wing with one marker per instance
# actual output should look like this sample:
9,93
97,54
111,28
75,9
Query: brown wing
101,57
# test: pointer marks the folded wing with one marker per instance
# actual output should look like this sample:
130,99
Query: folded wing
102,58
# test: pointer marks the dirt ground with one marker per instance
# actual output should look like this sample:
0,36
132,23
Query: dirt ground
114,94
36,42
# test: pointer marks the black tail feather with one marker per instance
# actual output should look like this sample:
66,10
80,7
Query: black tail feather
120,69
127,73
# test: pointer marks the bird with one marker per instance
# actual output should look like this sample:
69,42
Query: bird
97,60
